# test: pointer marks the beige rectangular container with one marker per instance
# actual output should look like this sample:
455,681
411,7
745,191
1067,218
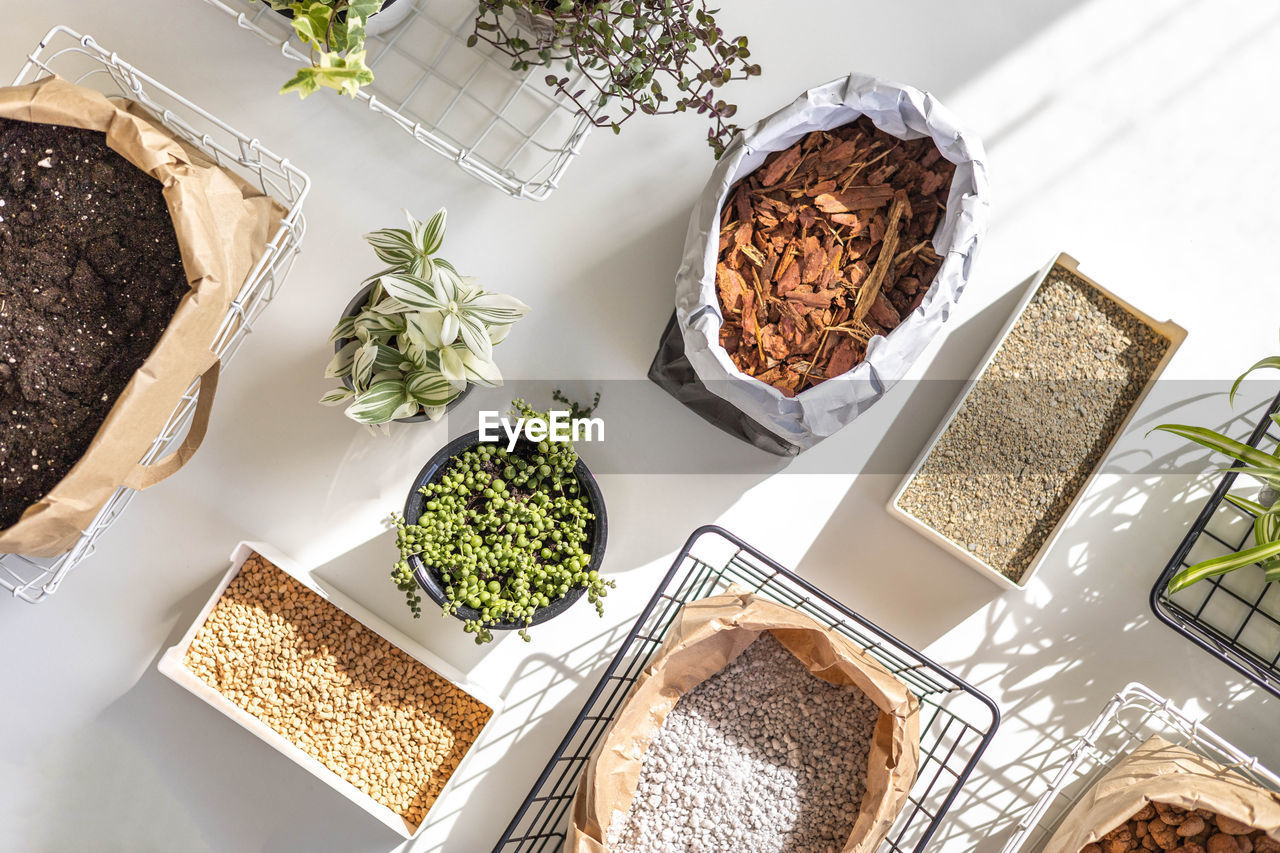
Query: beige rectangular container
1176,335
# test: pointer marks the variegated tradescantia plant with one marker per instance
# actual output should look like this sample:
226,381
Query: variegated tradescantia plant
423,334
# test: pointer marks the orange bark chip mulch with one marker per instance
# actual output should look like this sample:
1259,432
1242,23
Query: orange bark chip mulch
826,245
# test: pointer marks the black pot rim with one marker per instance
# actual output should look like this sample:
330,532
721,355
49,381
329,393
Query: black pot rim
350,311
429,582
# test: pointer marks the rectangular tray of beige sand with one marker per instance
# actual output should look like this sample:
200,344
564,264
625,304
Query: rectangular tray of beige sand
974,558
172,665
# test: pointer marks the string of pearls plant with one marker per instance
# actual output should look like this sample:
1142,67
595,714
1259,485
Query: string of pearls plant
506,531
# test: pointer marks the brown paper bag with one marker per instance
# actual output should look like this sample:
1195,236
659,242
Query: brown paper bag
1160,772
706,637
222,225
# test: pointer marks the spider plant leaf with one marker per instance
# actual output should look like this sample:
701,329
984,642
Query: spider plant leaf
1216,441
1271,361
1268,474
1222,565
1252,507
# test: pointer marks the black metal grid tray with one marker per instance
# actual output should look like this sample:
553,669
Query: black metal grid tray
1234,617
956,721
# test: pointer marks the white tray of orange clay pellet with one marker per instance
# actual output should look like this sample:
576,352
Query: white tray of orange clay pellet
375,717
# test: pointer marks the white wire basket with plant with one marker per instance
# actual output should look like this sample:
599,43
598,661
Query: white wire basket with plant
508,89
81,60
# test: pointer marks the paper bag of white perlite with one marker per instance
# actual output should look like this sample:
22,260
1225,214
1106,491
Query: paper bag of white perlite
706,637
222,226
1160,772
691,364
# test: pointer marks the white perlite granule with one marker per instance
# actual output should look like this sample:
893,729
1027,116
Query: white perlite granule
761,757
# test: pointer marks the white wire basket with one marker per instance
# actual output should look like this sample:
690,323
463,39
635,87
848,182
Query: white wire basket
81,60
504,127
1132,716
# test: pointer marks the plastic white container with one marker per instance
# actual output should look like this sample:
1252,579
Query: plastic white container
171,665
1175,334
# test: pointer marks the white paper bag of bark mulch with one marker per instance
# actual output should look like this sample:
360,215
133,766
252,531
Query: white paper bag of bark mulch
1160,772
708,636
692,365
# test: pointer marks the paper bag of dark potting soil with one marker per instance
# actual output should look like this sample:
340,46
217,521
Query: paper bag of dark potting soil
222,225
1160,772
693,366
707,636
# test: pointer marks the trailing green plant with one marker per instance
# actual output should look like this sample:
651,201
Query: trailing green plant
1256,463
637,56
333,32
506,532
423,334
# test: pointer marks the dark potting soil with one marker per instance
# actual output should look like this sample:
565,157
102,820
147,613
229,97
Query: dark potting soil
90,275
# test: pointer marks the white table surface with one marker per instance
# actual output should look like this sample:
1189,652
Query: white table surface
1137,136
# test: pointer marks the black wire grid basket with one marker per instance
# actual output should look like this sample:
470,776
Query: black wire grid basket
956,721
1234,617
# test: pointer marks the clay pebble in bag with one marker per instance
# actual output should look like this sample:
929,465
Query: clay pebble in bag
222,226
707,636
691,363
1159,772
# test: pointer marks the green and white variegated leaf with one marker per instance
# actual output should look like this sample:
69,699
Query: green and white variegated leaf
415,292
363,365
430,389
378,404
391,306
362,10
346,328
475,335
494,309
387,358
434,412
447,284
498,334
337,397
423,329
407,409
340,365
451,366
430,234
476,370
375,327
386,376
394,246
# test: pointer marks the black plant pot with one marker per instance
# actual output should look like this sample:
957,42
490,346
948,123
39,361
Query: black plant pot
429,579
350,311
